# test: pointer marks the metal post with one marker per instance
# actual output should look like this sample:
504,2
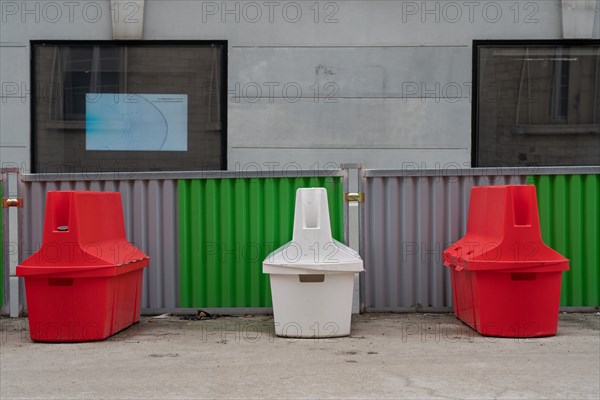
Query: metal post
352,200
361,234
4,247
345,189
11,202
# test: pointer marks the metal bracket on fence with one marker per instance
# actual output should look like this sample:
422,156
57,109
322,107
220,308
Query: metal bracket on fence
352,196
12,202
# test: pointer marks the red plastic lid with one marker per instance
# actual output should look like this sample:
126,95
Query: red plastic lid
503,233
82,230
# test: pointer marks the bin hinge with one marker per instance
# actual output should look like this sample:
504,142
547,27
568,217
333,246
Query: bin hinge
358,197
12,202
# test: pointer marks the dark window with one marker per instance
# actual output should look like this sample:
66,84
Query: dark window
128,106
537,104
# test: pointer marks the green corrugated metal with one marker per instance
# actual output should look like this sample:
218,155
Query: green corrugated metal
570,222
226,229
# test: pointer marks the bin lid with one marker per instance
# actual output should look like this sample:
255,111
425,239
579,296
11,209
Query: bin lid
312,246
77,271
82,229
503,233
337,258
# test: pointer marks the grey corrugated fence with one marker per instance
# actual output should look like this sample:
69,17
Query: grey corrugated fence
408,218
150,211
406,221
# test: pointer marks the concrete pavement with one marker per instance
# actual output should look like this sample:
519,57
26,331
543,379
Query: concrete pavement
407,356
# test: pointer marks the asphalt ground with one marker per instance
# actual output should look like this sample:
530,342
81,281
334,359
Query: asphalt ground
387,356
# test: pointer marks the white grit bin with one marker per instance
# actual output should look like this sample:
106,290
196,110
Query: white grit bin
312,277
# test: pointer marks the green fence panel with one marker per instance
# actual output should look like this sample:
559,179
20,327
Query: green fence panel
227,227
570,222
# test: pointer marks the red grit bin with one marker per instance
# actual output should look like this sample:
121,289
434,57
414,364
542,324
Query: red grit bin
505,280
85,282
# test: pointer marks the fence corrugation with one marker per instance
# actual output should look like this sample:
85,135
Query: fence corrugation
569,208
228,226
409,217
408,221
150,211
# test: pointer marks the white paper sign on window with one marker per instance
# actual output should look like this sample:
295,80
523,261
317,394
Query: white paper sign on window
136,122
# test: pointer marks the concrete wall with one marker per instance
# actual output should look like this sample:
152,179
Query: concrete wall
381,82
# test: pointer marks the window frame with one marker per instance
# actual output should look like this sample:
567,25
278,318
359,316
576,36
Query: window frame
477,44
33,44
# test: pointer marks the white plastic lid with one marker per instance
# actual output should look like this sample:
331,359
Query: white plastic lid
312,247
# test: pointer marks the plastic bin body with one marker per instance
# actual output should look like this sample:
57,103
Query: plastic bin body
312,277
312,309
507,304
505,281
82,309
85,282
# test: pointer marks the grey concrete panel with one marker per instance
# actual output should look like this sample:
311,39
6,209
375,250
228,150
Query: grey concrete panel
14,157
596,34
350,124
351,71
14,71
294,159
14,121
55,20
15,94
362,22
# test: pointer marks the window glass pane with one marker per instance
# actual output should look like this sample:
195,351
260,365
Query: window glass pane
119,107
538,105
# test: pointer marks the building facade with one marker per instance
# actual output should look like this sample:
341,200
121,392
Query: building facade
298,84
